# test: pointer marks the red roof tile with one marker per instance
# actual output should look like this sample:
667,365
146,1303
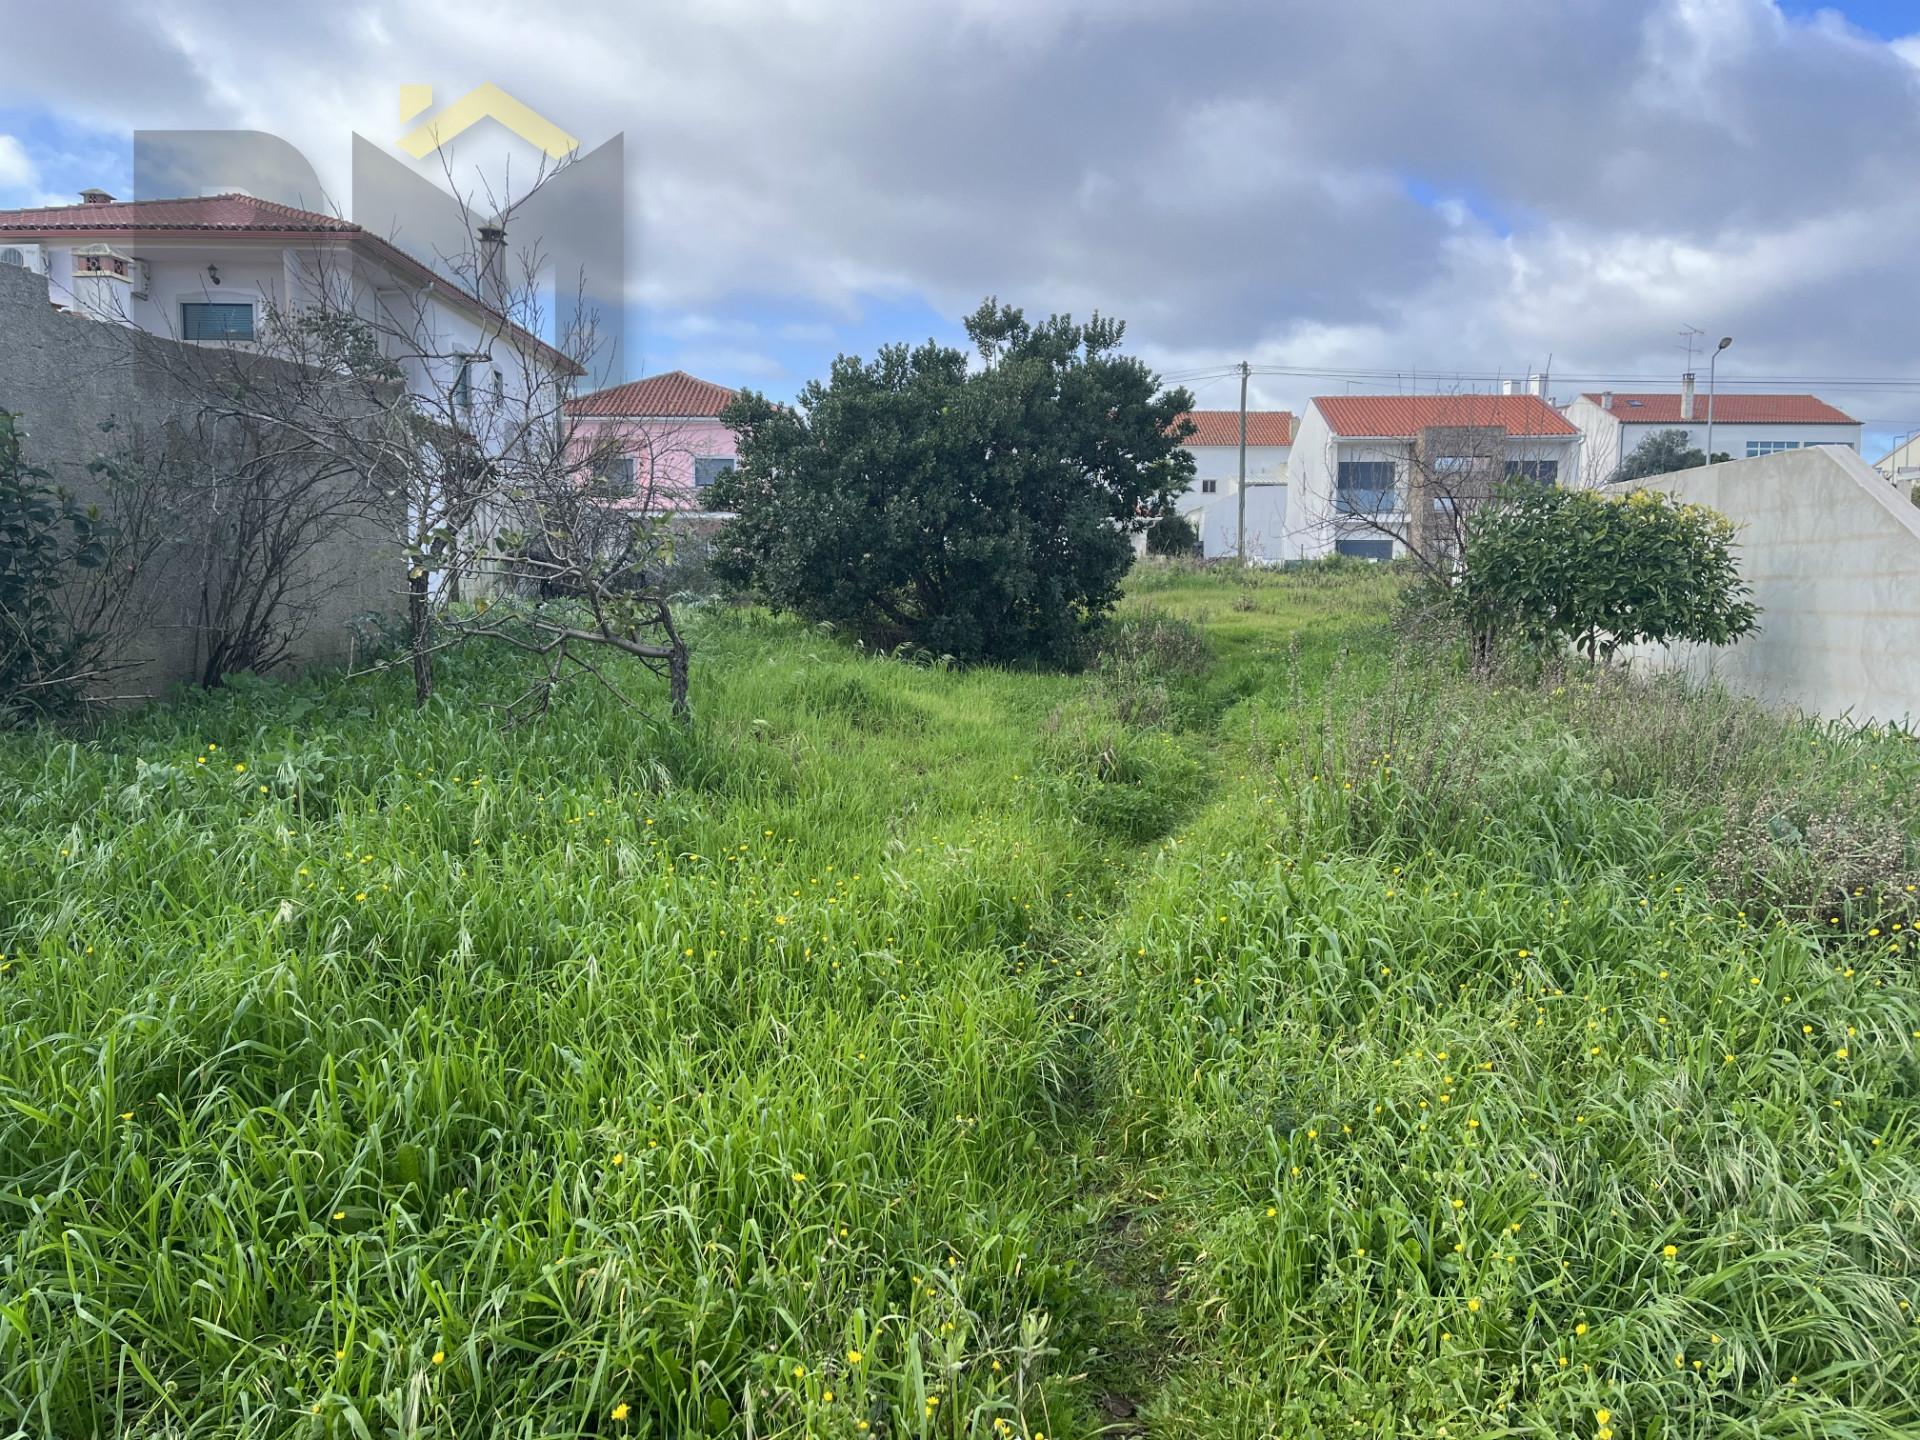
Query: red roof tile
1664,409
239,215
675,393
206,212
1222,427
1405,416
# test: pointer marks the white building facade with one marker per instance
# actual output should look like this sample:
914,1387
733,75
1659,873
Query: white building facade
1745,426
1363,465
214,269
1212,502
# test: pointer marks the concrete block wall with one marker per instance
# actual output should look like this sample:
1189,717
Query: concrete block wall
1832,552
64,375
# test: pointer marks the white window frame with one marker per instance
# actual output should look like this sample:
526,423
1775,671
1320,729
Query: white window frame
253,301
725,462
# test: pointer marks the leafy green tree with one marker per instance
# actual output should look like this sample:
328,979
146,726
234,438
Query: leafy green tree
1600,571
1661,453
1172,535
983,512
45,538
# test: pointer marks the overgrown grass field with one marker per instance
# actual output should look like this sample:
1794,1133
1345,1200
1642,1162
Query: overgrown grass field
1271,1031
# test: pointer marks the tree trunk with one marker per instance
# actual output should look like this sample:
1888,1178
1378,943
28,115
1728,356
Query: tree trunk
677,678
420,626
1482,644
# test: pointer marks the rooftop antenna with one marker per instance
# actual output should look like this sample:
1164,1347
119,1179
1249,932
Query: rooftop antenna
1690,333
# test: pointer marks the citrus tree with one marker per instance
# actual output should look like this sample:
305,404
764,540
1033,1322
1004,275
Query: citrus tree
1599,571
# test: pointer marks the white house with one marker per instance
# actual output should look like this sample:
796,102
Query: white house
205,269
1901,466
1212,502
1745,426
1360,462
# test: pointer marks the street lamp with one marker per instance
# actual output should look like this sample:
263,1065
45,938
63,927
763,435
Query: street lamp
1713,360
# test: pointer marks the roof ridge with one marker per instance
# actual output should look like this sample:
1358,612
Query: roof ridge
256,203
676,393
1748,394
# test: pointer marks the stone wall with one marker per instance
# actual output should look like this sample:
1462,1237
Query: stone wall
65,377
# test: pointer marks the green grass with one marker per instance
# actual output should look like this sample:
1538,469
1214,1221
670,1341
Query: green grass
1269,1032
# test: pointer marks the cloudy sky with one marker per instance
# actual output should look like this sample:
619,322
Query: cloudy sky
1445,190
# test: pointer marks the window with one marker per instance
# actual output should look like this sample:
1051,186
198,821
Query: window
1364,487
1770,447
463,385
613,478
1209,487
224,321
1364,549
1544,471
499,388
709,468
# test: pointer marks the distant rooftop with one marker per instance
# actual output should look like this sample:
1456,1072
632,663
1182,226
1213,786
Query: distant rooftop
673,395
1734,409
1401,417
1222,427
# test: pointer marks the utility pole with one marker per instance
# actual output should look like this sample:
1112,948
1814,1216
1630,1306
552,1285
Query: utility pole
1245,370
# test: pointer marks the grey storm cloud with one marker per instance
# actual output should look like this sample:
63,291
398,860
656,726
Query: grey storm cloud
1377,184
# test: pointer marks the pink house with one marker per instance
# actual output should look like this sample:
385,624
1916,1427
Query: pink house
667,431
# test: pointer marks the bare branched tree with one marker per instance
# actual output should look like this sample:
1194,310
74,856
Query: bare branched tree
437,406
238,469
1420,492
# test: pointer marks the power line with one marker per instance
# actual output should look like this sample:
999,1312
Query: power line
1617,378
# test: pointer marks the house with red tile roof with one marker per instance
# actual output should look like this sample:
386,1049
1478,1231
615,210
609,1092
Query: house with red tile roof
1212,502
1745,425
209,269
1369,474
662,438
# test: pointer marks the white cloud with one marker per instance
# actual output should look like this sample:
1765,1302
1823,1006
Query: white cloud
1232,178
17,170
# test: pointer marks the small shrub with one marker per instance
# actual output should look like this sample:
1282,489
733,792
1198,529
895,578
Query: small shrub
1172,536
45,539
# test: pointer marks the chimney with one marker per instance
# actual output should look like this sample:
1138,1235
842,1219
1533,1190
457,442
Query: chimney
95,196
1606,399
493,265
1506,387
1686,396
